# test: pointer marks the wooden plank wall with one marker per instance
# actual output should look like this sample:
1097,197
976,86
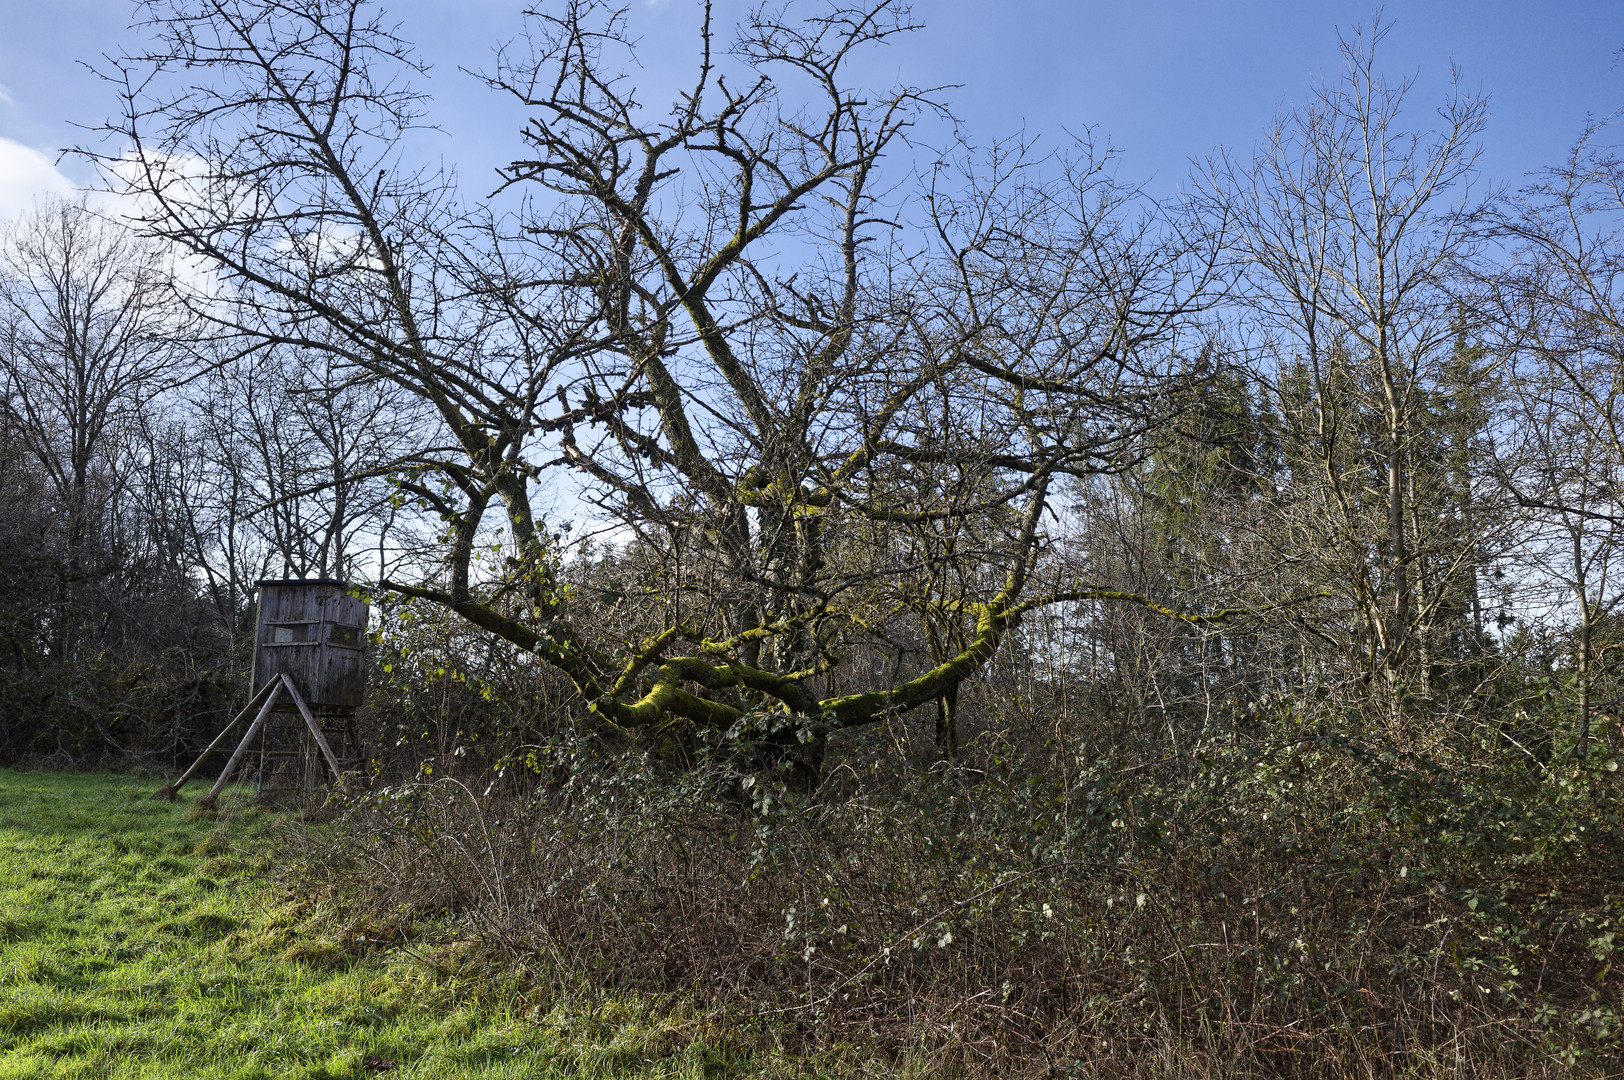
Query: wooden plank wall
316,633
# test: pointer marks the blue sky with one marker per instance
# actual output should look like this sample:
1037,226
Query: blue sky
1164,81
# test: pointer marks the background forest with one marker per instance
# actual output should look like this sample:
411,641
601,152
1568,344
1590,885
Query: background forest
934,596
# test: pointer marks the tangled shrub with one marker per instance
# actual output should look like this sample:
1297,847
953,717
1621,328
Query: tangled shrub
1278,908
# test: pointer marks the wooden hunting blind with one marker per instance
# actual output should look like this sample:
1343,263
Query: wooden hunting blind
313,632
309,679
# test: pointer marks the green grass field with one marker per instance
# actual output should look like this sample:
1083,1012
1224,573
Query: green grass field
140,940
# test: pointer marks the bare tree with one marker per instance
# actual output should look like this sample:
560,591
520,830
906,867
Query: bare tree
1559,306
90,337
851,434
716,317
1350,226
305,453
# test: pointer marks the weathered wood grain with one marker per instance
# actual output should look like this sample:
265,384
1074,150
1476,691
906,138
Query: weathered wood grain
321,628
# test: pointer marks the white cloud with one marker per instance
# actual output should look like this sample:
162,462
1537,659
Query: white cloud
26,175
5,95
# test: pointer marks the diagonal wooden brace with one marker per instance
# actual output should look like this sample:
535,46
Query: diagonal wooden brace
315,729
168,791
253,729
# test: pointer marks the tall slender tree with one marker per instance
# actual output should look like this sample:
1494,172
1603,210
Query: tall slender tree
1349,227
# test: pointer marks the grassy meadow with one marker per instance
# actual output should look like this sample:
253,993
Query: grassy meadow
143,939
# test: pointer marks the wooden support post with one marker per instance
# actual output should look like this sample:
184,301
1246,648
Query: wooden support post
253,729
315,729
167,792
